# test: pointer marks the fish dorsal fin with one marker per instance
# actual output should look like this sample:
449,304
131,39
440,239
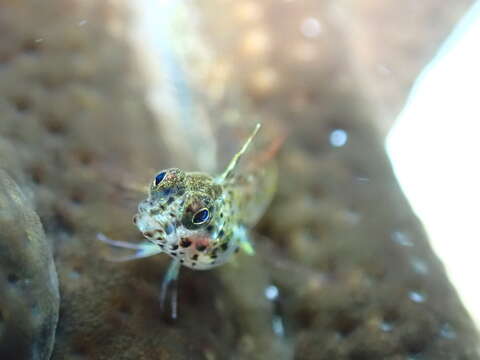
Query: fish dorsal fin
236,158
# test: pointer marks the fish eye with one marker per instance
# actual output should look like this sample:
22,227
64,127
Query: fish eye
201,216
159,178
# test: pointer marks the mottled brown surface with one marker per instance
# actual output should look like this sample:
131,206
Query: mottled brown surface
29,299
356,276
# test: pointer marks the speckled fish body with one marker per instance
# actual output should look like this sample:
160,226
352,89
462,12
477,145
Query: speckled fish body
202,220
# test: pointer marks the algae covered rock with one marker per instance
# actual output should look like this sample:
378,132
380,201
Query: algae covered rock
29,297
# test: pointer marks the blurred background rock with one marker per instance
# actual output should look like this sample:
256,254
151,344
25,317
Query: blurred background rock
91,97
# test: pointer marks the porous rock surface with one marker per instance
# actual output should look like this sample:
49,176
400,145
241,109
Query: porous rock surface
356,276
29,298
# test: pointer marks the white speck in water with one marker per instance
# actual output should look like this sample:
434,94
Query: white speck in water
277,325
82,22
39,40
414,357
419,266
351,217
271,292
448,332
362,179
416,296
311,27
386,326
338,137
383,70
401,238
74,274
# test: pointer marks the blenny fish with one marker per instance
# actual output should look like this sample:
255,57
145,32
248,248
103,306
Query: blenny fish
200,220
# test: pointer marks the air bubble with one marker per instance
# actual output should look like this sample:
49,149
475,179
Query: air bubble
416,296
383,70
277,326
419,266
271,292
448,332
74,275
338,138
386,326
401,238
362,180
311,27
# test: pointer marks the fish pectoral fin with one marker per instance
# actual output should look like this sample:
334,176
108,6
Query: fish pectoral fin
170,282
142,250
247,246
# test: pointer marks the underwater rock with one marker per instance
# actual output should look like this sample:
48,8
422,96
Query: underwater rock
29,298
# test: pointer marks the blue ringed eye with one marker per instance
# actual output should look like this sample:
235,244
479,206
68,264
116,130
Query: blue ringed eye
201,216
159,178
